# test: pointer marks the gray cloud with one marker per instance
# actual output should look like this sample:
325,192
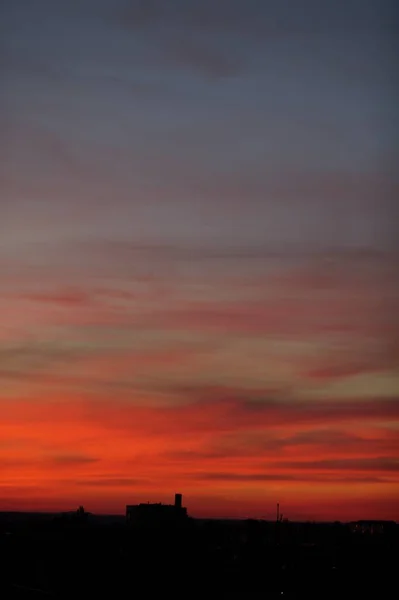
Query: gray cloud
200,58
59,460
29,358
385,464
269,17
271,445
111,482
259,477
66,460
221,411
181,38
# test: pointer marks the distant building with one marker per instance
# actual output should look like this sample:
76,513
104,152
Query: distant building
156,515
76,517
372,527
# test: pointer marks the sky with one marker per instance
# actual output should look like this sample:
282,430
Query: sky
199,280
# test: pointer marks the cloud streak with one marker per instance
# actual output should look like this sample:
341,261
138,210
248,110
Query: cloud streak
204,445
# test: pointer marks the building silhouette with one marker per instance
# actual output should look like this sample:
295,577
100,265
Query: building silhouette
156,515
372,527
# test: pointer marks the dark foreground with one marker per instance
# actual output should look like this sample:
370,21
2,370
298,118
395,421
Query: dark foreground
47,558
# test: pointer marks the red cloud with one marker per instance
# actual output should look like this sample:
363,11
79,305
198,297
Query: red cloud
74,449
213,442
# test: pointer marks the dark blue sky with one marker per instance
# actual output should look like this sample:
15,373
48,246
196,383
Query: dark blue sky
238,122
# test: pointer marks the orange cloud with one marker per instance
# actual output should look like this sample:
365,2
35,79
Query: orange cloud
237,390
221,444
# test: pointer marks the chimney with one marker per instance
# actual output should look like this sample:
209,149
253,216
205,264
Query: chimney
178,501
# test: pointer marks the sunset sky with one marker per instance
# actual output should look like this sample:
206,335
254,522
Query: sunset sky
199,281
